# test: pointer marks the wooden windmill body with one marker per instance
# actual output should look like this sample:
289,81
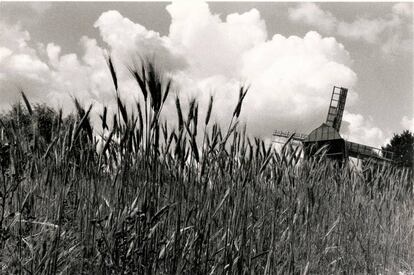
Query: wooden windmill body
328,134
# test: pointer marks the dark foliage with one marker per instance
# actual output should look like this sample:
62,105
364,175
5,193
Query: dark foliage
402,145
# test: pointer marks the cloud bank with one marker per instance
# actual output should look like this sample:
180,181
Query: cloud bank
362,130
393,31
291,77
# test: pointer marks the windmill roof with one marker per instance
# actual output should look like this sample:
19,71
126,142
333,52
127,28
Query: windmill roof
323,132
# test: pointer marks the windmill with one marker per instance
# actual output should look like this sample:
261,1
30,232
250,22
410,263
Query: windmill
328,134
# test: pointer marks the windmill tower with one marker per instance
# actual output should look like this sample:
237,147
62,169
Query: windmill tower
328,134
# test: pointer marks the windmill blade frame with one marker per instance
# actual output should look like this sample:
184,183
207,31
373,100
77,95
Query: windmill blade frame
290,135
361,151
336,107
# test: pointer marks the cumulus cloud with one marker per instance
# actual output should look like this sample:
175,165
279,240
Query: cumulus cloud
47,76
313,15
211,45
14,38
53,52
291,77
4,53
126,38
363,29
19,63
391,30
359,129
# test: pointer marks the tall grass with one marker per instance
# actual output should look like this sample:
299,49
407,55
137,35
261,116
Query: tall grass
152,200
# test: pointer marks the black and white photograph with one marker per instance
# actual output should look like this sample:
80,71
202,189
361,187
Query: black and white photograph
206,137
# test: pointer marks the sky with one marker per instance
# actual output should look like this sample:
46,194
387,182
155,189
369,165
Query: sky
291,55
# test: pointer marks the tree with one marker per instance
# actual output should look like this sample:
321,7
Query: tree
402,147
34,128
39,121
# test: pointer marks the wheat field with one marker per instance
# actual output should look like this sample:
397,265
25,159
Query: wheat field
155,200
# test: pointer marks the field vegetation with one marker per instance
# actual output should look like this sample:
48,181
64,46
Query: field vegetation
155,200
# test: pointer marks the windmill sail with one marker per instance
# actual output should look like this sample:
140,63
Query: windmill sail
361,151
336,108
289,135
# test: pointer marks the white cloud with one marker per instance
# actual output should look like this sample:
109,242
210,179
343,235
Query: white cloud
400,36
28,65
404,9
53,52
4,53
362,130
407,123
211,45
20,65
45,75
363,29
395,45
291,77
13,37
126,38
391,31
313,15
40,7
